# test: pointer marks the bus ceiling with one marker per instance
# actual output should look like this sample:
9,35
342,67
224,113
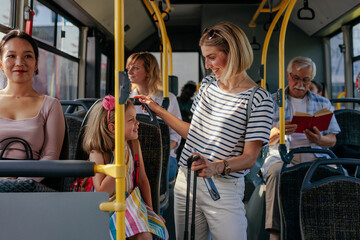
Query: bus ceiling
329,15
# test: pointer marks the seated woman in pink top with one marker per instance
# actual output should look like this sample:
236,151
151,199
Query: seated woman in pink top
25,113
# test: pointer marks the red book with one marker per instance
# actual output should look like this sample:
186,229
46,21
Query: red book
321,120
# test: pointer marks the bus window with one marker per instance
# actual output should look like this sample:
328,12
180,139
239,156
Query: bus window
44,24
103,68
181,61
58,53
67,37
337,65
356,57
57,76
356,71
5,16
356,40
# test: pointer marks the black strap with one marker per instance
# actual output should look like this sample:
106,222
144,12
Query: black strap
248,110
28,150
250,102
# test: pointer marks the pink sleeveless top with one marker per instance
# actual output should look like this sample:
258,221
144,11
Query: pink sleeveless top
44,132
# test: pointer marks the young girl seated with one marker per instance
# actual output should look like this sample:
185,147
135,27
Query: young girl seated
99,141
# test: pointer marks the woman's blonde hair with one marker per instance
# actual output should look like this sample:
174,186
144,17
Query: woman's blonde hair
97,135
151,67
231,40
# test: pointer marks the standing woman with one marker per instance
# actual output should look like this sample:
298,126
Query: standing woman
25,113
228,146
144,73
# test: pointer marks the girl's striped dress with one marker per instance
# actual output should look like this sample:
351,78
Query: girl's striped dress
138,216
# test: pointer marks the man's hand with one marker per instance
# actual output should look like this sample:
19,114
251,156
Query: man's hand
275,132
313,135
289,128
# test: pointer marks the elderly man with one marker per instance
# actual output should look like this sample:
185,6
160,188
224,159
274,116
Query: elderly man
298,98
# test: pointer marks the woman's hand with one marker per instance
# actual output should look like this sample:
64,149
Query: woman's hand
204,167
150,102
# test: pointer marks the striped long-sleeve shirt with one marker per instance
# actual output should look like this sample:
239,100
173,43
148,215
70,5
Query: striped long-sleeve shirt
218,128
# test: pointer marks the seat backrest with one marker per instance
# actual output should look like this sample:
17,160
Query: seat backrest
349,122
349,137
151,147
80,154
58,183
330,207
87,101
164,183
74,125
290,182
71,106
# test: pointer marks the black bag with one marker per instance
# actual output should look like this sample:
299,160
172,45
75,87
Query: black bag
186,231
20,185
11,140
23,185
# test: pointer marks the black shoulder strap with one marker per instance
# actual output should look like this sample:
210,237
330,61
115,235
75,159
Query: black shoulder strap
250,102
208,84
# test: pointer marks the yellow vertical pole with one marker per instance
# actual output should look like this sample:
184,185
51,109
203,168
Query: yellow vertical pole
164,50
151,11
282,6
282,69
170,56
119,116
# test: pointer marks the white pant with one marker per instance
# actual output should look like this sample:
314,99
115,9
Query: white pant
223,219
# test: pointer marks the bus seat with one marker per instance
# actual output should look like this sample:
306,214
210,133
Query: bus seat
87,101
255,214
164,183
330,207
71,106
348,140
151,147
290,182
74,125
349,122
80,154
58,182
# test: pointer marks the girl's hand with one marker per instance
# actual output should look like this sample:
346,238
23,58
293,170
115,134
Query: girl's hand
163,219
204,167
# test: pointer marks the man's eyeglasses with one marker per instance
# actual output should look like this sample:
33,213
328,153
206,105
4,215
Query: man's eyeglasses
298,79
212,33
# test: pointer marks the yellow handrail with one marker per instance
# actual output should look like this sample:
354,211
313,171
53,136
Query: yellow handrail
267,10
282,68
170,56
167,10
164,50
282,6
163,15
338,105
261,9
117,170
252,22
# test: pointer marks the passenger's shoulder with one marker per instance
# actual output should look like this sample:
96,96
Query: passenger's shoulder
51,102
262,94
318,98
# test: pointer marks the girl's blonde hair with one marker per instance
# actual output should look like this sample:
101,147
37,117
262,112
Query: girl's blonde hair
151,67
231,40
97,135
